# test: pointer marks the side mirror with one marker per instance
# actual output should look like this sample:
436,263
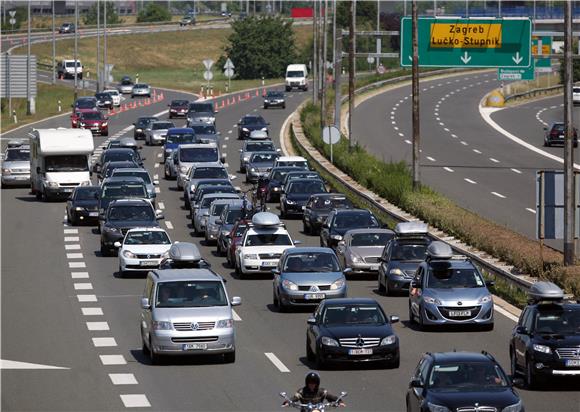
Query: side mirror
117,244
241,150
159,215
297,242
145,303
394,319
347,271
489,283
311,320
416,383
275,272
545,128
522,330
236,301
341,243
238,189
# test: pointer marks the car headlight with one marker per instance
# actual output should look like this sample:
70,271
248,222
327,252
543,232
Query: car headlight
356,259
183,169
246,158
6,171
276,189
162,325
82,124
264,129
225,323
434,301
484,299
111,229
85,183
165,255
129,254
79,209
437,408
336,237
168,150
542,348
252,169
104,124
211,119
251,256
245,129
139,130
289,285
396,272
326,341
516,407
337,284
290,202
52,184
389,340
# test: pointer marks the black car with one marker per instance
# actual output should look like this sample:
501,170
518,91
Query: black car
109,167
274,98
66,28
104,101
178,108
555,134
83,205
122,215
461,381
85,102
545,344
275,181
296,193
117,155
141,124
120,187
351,330
340,221
198,107
249,123
318,208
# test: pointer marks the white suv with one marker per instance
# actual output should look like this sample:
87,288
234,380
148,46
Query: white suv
262,245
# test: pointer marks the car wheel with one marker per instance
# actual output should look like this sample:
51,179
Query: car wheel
105,134
167,175
265,107
531,377
275,300
421,320
120,272
72,220
309,354
230,357
283,106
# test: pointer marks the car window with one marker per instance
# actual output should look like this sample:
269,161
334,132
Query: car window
86,194
217,209
92,116
210,173
466,376
187,294
198,154
14,155
131,213
162,126
119,156
203,129
268,239
142,174
234,215
178,138
155,237
560,321
259,146
306,187
311,262
370,239
442,276
353,314
254,120
408,252
354,220
123,191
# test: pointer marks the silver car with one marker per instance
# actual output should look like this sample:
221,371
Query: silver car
16,166
199,173
143,174
170,166
194,155
141,90
201,211
250,147
156,132
200,117
187,312
213,226
360,249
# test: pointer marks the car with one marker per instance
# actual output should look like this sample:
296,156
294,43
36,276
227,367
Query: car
125,86
461,381
178,108
142,249
94,121
201,210
125,187
259,165
228,219
16,166
296,193
200,117
122,215
110,167
226,14
83,205
176,136
141,173
187,21
187,312
249,123
275,178
262,245
361,249
184,255
305,276
67,68
205,174
233,239
296,161
194,155
66,28
353,330
402,256
296,77
214,222
115,95
340,221
201,192
319,207
545,343
156,132
104,100
250,147
170,166
141,90
85,102
206,107
576,95
76,116
449,290
124,142
205,133
116,155
555,134
141,125
274,98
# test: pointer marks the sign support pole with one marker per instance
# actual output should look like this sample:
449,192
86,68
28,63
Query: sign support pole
541,216
28,68
351,62
415,106
569,194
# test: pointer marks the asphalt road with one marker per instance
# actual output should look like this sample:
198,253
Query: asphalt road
43,320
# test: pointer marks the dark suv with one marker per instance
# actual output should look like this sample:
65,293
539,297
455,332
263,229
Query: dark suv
122,215
461,381
141,124
318,208
340,221
555,135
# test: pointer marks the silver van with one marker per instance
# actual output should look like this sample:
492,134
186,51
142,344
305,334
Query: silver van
187,312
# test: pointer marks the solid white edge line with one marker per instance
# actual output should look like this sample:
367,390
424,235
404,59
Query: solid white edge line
531,210
505,313
277,362
498,195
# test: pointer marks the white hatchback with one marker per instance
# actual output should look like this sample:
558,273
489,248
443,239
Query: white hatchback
575,95
143,249
115,95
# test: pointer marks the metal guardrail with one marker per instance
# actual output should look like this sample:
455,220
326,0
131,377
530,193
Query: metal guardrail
533,93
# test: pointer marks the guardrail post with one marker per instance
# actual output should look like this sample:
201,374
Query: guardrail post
59,106
14,116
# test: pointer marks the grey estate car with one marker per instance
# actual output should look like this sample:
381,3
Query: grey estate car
360,249
187,312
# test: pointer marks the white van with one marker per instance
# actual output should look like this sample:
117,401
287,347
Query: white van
66,69
296,77
59,161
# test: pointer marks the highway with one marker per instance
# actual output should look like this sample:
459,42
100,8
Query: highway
59,295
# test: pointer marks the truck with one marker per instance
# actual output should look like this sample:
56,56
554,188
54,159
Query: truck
296,77
59,161
66,69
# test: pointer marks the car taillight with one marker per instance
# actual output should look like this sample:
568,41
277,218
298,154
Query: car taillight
554,133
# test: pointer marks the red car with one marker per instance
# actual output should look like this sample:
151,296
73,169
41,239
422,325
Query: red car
74,118
178,108
236,235
95,122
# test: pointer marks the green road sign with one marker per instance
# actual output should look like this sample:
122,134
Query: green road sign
543,64
476,42
527,73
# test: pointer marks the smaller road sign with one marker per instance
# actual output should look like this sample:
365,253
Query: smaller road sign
229,65
207,75
208,63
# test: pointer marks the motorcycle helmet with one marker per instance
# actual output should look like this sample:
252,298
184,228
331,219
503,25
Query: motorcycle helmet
312,377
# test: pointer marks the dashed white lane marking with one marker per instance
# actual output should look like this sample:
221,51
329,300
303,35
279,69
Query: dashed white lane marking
446,129
135,401
87,298
498,195
226,165
230,131
113,359
157,190
76,265
92,311
494,160
454,136
473,182
156,165
161,205
104,342
393,122
430,158
408,142
477,151
235,125
395,127
72,247
74,255
516,171
224,146
277,362
160,155
71,231
123,379
168,224
464,143
226,138
505,313
401,134
531,210
450,170
97,326
236,316
71,239
79,275
83,286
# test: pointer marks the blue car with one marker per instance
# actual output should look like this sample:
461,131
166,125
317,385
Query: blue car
175,137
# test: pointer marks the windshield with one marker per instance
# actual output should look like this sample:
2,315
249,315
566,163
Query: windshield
126,82
294,163
216,210
144,122
234,215
148,237
269,239
128,155
103,96
111,167
14,155
370,239
201,107
124,191
311,262
263,158
259,146
254,120
409,252
278,175
131,213
66,163
198,154
354,220
72,64
204,129
302,175
210,173
189,294
141,86
275,95
306,187
142,174
179,103
82,193
561,321
294,73
92,116
207,201
180,138
442,276
332,203
162,126
85,104
468,376
353,314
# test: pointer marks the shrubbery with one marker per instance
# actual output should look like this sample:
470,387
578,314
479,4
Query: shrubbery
152,13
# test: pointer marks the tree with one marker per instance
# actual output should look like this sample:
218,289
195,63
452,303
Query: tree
153,12
261,47
90,17
366,14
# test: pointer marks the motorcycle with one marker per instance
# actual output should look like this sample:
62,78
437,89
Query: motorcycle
311,407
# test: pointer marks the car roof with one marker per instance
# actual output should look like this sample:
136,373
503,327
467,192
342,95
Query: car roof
376,230
179,130
119,150
129,202
132,169
197,145
444,357
262,152
303,180
350,301
291,158
309,249
349,211
118,179
250,116
220,195
149,228
168,275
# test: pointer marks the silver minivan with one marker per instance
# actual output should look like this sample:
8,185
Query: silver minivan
187,312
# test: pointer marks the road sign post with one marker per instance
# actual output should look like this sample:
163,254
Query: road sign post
229,72
456,42
208,75
331,136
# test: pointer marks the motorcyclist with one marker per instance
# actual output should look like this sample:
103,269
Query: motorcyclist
261,190
312,392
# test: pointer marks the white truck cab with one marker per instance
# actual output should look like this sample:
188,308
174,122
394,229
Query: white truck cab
59,161
296,77
66,69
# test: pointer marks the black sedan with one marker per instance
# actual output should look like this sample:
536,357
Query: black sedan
351,330
319,206
275,181
555,135
296,193
178,108
340,221
250,123
140,126
83,205
274,98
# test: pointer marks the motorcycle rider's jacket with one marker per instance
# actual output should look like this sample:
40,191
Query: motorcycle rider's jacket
305,395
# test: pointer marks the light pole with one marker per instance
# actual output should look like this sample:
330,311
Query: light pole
105,71
315,56
415,88
28,108
323,68
76,46
98,46
378,29
53,47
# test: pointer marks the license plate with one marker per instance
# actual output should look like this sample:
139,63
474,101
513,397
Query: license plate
572,362
269,264
303,207
194,346
561,136
360,351
68,189
459,313
93,214
149,263
314,296
374,267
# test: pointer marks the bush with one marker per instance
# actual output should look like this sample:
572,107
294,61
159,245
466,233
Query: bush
153,12
90,18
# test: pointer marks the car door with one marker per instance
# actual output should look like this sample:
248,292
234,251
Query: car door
313,331
307,212
521,339
324,232
416,396
146,318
